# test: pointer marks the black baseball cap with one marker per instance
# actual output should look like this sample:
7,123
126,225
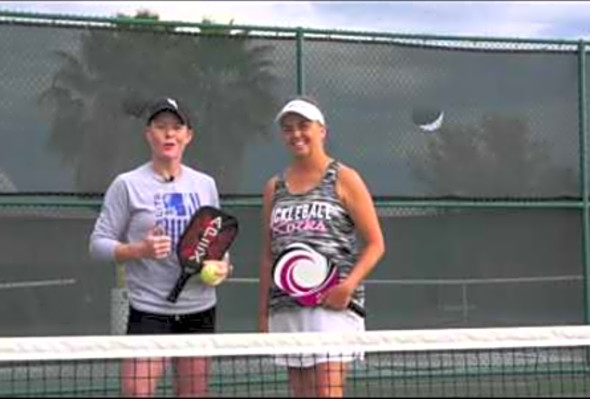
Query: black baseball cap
170,105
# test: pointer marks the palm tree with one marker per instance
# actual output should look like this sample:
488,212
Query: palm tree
99,94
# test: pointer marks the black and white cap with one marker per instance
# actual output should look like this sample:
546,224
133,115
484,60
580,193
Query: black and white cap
170,105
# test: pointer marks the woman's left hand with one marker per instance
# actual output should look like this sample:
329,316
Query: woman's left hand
223,269
338,296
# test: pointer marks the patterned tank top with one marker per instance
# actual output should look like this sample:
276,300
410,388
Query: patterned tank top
317,218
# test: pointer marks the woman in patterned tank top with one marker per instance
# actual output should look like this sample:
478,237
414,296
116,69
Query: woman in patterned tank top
319,202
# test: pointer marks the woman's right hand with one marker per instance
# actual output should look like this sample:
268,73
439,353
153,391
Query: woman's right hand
156,244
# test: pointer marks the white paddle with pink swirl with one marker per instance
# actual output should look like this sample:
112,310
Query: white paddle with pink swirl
305,275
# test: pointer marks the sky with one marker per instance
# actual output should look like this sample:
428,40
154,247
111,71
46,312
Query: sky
500,19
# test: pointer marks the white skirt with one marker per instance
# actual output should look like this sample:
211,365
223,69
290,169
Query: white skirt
316,319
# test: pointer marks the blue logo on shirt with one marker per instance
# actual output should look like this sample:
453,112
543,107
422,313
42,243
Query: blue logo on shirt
174,205
173,212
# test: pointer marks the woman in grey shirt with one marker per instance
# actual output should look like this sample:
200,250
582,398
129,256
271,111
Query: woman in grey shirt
144,212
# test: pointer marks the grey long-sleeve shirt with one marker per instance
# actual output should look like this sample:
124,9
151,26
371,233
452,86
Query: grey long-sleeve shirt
134,203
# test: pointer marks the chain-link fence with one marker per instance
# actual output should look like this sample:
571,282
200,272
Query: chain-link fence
473,148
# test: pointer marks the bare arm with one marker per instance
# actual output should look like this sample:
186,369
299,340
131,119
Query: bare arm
266,258
358,201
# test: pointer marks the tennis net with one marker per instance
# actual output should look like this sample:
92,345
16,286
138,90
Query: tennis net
514,361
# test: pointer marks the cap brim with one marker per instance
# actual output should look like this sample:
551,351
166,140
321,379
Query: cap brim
302,108
172,110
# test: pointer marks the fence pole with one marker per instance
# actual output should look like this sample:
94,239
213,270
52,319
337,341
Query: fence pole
584,175
299,60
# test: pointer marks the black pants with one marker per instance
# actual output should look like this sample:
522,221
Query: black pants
149,323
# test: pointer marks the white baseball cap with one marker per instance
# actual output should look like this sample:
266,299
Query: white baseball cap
303,108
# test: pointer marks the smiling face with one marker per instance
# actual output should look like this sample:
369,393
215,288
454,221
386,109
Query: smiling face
302,136
168,137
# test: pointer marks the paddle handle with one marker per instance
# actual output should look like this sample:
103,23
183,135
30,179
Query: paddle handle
358,309
180,283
